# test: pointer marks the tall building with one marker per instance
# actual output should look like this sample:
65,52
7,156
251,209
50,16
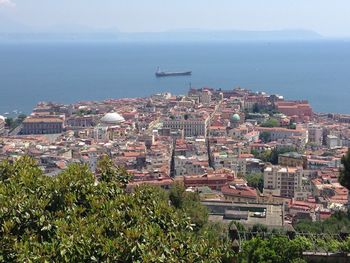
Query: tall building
333,141
283,181
2,125
205,97
315,134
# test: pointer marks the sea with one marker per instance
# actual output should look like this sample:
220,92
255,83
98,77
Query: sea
72,71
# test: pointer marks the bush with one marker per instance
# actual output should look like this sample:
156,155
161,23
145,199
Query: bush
75,218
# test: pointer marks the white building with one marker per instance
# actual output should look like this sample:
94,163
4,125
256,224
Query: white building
333,141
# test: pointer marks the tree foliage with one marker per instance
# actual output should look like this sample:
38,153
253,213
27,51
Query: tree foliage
271,123
344,177
76,218
240,227
256,180
275,249
257,108
271,156
189,203
333,225
12,123
259,228
265,136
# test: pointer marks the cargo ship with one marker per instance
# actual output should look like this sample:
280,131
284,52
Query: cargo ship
160,73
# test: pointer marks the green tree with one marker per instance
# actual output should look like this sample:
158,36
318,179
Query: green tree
107,172
265,156
271,123
259,228
9,122
277,151
78,217
190,203
21,118
344,178
265,136
272,156
240,226
256,180
277,249
345,246
333,225
13,123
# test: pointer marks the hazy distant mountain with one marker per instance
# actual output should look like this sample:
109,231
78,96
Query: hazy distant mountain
190,35
205,35
77,29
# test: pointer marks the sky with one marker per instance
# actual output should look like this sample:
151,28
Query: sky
330,18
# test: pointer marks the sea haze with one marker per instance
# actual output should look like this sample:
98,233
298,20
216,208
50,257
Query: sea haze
74,71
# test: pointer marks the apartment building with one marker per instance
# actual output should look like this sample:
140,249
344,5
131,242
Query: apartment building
2,125
285,181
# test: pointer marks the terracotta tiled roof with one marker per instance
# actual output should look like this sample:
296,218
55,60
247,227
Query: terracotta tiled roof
243,191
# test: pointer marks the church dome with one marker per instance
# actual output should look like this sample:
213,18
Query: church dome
112,118
235,117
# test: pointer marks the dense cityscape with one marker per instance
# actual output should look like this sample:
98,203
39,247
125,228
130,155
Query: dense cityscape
226,157
234,147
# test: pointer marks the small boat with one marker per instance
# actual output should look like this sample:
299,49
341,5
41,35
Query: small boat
160,73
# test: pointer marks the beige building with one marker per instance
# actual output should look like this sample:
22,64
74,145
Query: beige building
43,125
315,134
284,181
205,97
292,159
278,133
191,124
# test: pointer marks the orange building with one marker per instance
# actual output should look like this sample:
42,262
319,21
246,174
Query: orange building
298,110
